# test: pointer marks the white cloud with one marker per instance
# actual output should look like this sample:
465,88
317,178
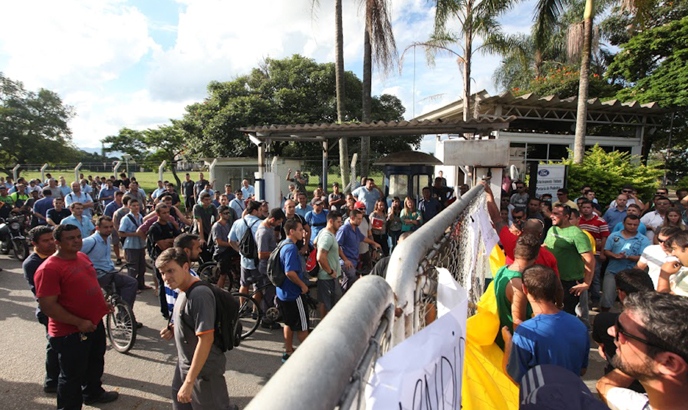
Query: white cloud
71,45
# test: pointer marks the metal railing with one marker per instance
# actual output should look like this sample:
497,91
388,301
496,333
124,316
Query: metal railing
338,357
450,240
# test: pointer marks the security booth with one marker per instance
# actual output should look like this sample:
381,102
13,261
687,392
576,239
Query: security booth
407,173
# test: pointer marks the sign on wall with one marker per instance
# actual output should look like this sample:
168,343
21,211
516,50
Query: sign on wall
550,178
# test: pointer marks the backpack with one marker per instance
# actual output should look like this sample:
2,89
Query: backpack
247,245
275,269
228,328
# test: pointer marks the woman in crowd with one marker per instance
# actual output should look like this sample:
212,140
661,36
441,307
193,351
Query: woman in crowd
394,221
411,219
378,225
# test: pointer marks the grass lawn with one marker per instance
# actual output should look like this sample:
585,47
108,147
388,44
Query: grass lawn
149,180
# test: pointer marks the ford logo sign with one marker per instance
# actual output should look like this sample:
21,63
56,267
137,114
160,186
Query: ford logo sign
543,172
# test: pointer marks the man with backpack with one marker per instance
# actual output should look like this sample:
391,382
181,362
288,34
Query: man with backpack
198,380
223,253
134,243
242,237
289,292
266,239
159,238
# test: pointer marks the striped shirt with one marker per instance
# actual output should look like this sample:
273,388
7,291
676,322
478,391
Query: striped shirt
596,227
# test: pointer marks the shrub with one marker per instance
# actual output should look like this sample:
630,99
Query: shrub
608,172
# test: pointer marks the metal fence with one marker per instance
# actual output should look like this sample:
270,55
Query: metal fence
339,356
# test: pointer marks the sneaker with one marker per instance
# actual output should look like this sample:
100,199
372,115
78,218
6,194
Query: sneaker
285,357
50,388
106,397
118,262
139,325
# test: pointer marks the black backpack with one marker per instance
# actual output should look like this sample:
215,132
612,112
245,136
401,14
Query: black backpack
227,326
275,270
247,245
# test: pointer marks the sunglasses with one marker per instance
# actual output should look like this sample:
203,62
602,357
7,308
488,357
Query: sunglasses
619,330
626,191
661,240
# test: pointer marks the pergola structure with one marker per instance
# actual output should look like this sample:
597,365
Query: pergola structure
327,134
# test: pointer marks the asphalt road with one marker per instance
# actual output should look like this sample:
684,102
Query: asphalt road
142,377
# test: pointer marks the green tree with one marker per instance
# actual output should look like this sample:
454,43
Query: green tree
612,170
477,20
288,91
151,146
33,126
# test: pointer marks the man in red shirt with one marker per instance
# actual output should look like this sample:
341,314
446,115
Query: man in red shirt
599,230
69,294
509,235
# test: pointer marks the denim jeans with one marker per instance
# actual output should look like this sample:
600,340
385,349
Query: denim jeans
82,360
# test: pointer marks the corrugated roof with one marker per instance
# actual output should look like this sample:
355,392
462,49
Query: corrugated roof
549,102
293,132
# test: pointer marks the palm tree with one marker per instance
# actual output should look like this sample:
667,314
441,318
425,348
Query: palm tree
478,19
378,35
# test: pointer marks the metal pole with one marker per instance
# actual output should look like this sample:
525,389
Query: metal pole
15,172
115,168
330,355
161,170
324,166
43,168
76,172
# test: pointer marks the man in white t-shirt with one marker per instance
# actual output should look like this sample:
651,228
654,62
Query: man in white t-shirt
654,256
655,219
650,337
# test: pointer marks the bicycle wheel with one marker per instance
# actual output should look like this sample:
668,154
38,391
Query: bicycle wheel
209,272
250,314
121,327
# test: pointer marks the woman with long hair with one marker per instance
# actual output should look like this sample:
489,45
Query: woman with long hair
378,225
394,221
411,219
672,219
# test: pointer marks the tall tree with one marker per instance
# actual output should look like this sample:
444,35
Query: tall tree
289,91
33,126
477,19
379,47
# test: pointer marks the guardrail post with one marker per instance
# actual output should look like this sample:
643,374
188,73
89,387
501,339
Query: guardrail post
15,172
76,172
115,168
43,168
161,170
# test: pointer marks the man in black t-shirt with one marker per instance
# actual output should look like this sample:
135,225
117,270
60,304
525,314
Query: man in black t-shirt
161,234
56,214
199,186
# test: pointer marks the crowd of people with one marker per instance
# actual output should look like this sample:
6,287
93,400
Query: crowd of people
564,258
628,260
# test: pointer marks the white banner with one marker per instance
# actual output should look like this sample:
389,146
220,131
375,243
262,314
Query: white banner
425,370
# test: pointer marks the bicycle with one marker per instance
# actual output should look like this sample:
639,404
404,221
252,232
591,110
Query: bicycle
210,272
251,314
120,323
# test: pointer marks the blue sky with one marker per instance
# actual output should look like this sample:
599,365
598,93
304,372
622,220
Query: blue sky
138,63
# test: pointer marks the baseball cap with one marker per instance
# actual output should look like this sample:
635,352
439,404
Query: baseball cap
547,386
359,205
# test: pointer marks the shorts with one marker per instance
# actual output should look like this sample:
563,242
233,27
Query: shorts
252,277
295,314
329,292
226,261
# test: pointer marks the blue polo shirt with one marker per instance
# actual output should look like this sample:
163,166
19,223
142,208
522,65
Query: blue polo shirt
41,207
302,211
613,216
98,251
105,192
291,261
317,222
348,240
129,223
111,208
641,228
85,225
633,246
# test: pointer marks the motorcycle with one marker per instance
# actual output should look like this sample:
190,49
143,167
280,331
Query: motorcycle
12,237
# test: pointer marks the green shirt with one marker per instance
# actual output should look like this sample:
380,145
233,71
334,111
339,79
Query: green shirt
501,280
567,245
327,242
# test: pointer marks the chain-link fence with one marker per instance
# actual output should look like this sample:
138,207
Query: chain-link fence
359,324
